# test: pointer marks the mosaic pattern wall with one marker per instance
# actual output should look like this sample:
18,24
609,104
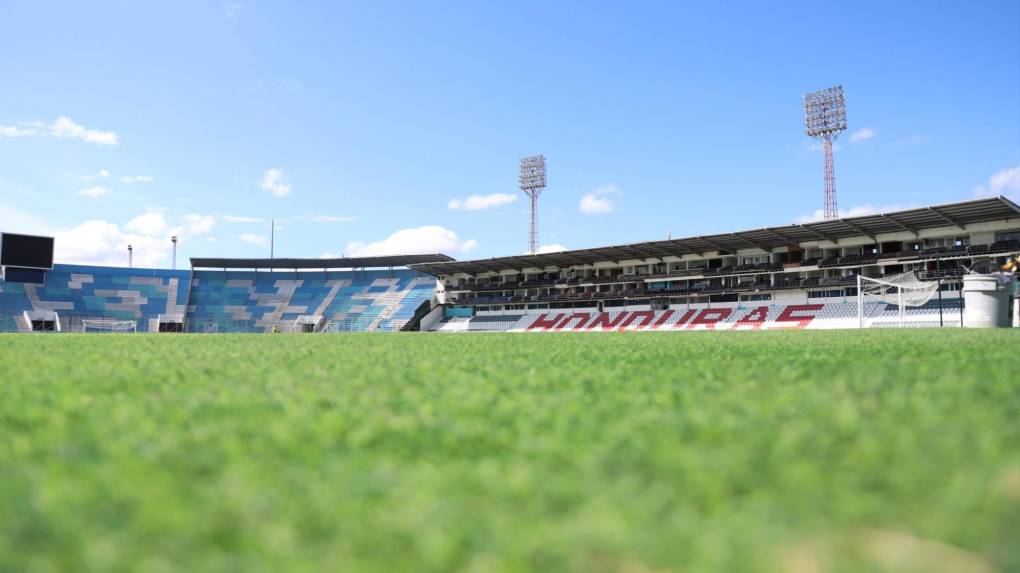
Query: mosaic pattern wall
216,301
235,301
74,295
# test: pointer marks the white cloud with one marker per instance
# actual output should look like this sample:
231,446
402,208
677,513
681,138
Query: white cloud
66,127
554,248
99,242
97,191
196,224
129,179
62,127
858,211
862,134
1004,182
272,181
241,219
599,201
329,255
15,221
150,224
15,131
101,175
420,240
252,238
592,204
481,202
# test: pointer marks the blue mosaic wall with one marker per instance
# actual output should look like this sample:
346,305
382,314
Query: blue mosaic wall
247,301
216,301
73,294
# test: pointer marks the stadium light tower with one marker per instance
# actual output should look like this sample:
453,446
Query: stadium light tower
173,240
532,182
825,118
130,256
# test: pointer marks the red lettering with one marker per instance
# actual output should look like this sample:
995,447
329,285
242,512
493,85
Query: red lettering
602,319
755,319
662,319
541,322
581,317
645,315
683,319
710,316
799,321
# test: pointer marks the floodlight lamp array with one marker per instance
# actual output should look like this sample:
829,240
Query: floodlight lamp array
825,112
532,173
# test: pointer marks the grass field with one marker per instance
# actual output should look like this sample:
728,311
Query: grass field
802,452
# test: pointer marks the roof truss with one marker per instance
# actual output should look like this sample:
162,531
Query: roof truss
935,211
898,223
752,243
858,229
819,234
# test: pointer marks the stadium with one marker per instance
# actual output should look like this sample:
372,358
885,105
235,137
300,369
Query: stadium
266,305
799,276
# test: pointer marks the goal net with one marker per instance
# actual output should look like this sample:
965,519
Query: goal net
903,290
108,325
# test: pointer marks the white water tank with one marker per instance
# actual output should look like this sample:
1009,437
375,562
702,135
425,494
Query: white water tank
986,301
1016,304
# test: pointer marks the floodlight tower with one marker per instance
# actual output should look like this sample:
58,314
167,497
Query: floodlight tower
173,240
825,118
532,182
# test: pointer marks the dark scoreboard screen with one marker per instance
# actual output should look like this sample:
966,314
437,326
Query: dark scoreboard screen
26,251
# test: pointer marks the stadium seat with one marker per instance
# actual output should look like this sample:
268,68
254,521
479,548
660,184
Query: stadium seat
238,301
79,295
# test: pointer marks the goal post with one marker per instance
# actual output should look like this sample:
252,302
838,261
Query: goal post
903,290
108,325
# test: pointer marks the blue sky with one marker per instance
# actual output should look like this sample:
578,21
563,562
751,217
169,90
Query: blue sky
359,125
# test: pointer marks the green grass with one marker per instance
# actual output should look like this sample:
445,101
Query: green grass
774,451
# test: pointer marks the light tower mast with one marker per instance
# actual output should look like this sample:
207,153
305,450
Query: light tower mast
825,118
532,183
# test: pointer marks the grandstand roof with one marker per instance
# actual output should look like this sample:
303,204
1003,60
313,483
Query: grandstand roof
911,220
336,263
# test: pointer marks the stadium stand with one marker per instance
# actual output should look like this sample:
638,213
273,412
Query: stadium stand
73,296
332,301
812,265
103,299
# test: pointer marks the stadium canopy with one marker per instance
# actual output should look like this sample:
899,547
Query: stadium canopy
909,220
334,263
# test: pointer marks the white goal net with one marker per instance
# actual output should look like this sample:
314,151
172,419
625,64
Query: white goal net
903,290
108,325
